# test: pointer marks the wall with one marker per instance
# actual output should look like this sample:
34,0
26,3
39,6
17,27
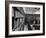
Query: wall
2,19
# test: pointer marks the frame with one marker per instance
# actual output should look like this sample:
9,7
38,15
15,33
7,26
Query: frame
17,23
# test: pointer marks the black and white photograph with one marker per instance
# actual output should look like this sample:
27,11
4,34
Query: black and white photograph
26,19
